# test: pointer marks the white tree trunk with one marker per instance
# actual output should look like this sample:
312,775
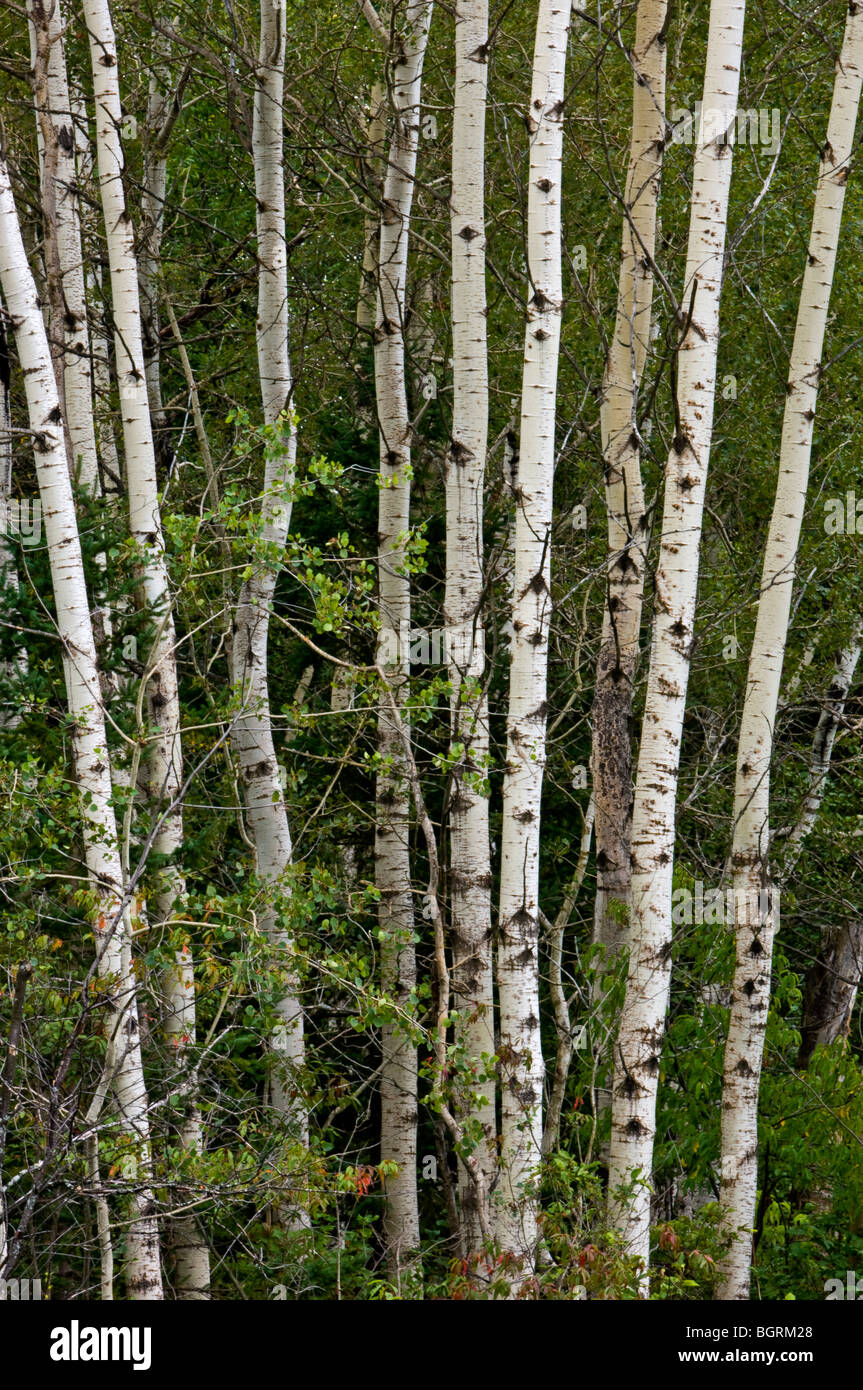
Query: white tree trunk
89,742
164,754
252,736
521,1062
392,818
106,443
61,203
165,760
755,906
642,1025
470,858
627,522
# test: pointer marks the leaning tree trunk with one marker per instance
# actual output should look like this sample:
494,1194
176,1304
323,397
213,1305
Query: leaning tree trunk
165,756
755,905
88,740
392,816
252,735
521,1062
470,858
611,758
642,1024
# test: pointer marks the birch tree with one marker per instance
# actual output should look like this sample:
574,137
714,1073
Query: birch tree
520,1051
164,751
112,915
642,1024
470,871
627,521
252,731
392,795
756,909
60,207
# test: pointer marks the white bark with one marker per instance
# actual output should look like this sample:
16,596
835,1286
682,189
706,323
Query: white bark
164,754
756,914
470,859
103,423
627,522
61,204
89,743
266,814
165,761
392,819
521,1061
642,1025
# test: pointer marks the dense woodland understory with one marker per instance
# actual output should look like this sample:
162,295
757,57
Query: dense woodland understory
430,706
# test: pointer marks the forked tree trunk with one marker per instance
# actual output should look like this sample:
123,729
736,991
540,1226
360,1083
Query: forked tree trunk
252,736
755,903
521,1062
164,756
642,1025
470,858
392,797
88,741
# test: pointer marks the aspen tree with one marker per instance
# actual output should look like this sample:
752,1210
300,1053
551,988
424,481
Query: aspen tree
106,443
164,755
252,734
521,1061
392,798
470,859
611,758
113,922
61,211
642,1023
755,903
